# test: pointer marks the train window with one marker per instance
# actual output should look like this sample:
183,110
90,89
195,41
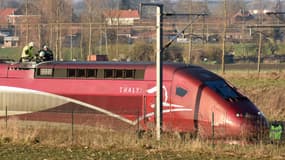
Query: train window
100,73
108,73
91,73
71,72
181,91
119,74
223,89
80,73
60,73
139,74
129,74
44,72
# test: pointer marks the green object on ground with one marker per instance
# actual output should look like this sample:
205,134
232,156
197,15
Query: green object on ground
275,132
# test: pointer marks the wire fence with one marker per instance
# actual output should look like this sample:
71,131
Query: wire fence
71,125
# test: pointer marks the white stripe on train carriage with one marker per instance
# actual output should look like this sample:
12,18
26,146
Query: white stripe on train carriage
23,90
12,113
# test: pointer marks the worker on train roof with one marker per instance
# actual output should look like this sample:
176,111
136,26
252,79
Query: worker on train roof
27,53
45,54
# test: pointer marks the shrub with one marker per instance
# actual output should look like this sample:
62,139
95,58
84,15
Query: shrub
142,51
173,54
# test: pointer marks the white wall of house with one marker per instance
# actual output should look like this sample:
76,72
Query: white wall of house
121,21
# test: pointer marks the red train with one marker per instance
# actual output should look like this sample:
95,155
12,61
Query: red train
193,98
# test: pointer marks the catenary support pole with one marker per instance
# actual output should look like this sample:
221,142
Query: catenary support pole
159,106
159,63
224,37
159,59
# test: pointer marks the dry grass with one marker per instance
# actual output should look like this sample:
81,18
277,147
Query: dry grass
100,139
60,135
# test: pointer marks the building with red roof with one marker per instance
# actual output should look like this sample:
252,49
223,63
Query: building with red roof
121,17
4,15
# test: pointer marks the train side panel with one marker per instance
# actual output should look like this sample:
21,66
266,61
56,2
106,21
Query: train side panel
183,99
3,69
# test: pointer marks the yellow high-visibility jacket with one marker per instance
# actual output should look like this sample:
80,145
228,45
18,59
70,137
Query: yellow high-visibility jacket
27,52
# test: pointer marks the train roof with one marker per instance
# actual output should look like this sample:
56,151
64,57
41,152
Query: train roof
109,64
148,68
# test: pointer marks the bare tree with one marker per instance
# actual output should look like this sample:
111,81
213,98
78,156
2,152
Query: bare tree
128,4
92,15
233,7
28,22
54,10
53,15
183,6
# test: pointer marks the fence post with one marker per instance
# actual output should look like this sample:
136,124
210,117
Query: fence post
279,67
6,116
138,124
72,126
213,129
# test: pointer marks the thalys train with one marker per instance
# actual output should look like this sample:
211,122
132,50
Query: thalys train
195,100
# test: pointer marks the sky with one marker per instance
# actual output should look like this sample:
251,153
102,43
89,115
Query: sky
77,0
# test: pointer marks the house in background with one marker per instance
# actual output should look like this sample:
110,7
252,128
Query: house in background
24,19
121,17
6,30
11,41
22,23
4,16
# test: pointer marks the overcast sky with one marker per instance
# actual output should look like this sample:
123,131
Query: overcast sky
76,0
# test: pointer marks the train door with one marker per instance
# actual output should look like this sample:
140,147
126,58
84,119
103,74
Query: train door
183,97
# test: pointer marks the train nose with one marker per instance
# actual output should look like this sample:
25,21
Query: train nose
250,125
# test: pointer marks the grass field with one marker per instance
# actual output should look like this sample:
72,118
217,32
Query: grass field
11,53
38,152
37,140
40,140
